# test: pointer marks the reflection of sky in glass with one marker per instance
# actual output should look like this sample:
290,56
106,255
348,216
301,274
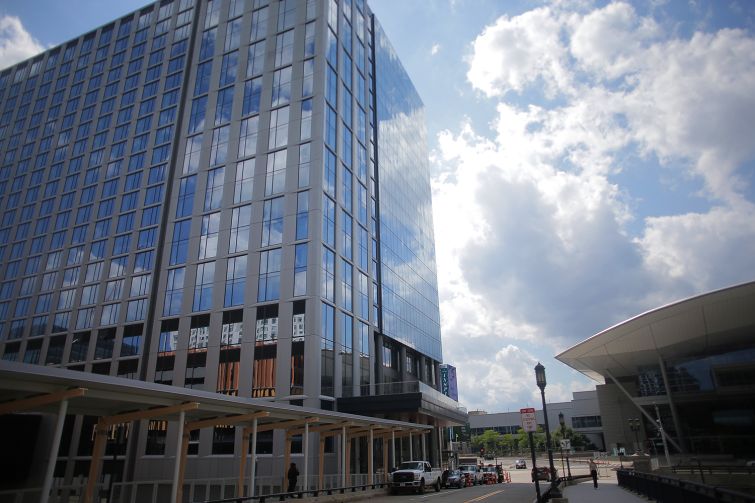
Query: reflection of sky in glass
694,374
409,280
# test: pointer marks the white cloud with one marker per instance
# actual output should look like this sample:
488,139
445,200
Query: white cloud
435,49
515,52
16,44
539,247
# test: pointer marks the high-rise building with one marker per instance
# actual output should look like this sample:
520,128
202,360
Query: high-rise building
224,195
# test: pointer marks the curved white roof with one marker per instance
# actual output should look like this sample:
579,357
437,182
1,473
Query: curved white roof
692,326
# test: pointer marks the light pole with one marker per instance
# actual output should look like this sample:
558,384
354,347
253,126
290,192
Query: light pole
540,378
634,425
561,422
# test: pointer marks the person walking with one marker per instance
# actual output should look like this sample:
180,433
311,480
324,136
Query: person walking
594,473
293,474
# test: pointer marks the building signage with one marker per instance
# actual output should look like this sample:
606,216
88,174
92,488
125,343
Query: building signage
448,384
529,421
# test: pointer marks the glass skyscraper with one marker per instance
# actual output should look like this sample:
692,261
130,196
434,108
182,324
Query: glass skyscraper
223,195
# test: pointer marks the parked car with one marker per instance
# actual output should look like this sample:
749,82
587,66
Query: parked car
473,473
520,463
455,479
541,473
415,475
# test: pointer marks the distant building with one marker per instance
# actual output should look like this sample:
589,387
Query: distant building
691,363
582,414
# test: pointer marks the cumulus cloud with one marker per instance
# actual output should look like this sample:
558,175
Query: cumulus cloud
540,245
16,44
435,49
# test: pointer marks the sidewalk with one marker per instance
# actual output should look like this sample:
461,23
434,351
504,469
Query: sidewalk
608,490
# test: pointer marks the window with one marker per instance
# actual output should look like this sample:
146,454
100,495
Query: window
329,173
207,48
272,222
276,172
284,48
197,116
248,137
300,269
278,136
256,61
186,190
304,160
235,281
174,291
328,221
302,215
244,181
347,271
232,35
213,195
224,106
269,278
252,94
305,131
328,274
219,147
228,68
180,242
241,219
259,24
203,286
208,239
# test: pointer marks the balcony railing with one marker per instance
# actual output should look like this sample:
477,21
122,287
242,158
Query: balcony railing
428,392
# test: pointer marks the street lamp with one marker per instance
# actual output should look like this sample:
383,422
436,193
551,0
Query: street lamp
540,378
634,425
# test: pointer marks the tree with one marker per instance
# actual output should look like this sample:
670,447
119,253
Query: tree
488,440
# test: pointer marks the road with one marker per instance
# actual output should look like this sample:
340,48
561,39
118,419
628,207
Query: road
520,490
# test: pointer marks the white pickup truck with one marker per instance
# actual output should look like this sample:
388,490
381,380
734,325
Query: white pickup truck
415,475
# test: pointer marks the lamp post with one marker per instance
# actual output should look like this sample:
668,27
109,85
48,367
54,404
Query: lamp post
540,378
561,422
634,425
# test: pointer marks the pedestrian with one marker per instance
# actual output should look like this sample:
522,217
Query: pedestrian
293,474
594,473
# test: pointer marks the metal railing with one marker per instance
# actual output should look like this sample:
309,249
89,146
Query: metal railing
671,490
281,496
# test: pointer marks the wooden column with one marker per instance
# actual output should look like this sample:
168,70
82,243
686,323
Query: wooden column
393,448
347,470
411,447
321,464
286,462
242,462
182,465
100,439
424,447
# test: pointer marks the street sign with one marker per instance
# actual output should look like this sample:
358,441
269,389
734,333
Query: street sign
529,421
566,443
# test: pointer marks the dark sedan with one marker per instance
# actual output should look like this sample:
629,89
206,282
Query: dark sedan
455,479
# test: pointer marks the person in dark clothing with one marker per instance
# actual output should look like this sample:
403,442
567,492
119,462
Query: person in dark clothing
293,474
594,473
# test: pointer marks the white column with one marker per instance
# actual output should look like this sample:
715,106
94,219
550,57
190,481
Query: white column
305,449
343,457
253,460
179,453
47,484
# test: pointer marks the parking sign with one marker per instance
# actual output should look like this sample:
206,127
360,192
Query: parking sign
529,421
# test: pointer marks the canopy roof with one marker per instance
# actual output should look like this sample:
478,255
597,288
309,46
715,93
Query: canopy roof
698,325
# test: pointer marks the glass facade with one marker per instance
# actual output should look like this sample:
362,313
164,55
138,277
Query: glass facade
223,195
410,312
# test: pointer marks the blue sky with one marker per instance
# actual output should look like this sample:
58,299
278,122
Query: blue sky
591,160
